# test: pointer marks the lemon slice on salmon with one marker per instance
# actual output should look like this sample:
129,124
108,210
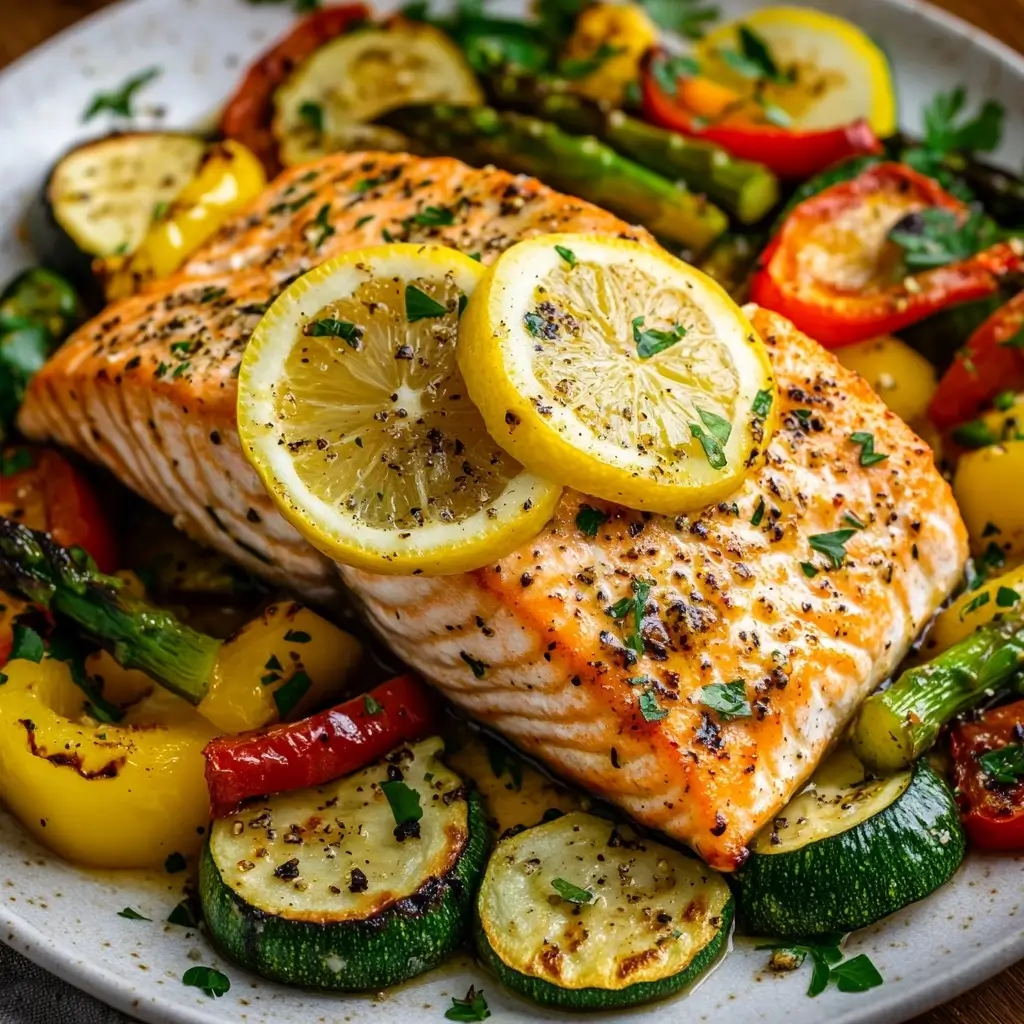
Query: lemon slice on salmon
353,412
618,370
830,72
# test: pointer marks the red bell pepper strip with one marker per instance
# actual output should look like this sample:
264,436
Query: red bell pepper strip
313,751
250,110
789,152
992,361
830,268
992,811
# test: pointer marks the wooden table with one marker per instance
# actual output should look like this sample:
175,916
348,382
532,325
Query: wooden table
999,1001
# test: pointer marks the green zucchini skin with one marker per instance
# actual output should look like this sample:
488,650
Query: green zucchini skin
852,879
409,937
548,994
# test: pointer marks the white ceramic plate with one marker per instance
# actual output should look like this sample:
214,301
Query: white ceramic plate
66,919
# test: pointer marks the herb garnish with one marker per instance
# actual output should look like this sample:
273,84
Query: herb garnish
808,570
762,404
687,17
857,524
434,217
713,451
371,705
934,237
866,442
27,644
993,557
132,915
855,975
650,343
420,306
974,604
728,699
403,800
1005,765
472,1008
755,519
650,708
211,981
184,914
754,58
573,893
289,693
313,114
1006,597
589,520
330,327
297,636
567,254
501,759
831,545
974,434
119,102
668,70
980,133
320,229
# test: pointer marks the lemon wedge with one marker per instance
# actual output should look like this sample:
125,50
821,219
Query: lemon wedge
354,414
618,370
831,72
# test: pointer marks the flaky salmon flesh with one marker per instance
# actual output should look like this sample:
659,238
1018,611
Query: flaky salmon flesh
527,645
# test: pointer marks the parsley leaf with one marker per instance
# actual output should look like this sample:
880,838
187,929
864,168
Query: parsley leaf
434,217
935,237
712,449
184,914
856,975
754,58
567,254
974,604
689,18
119,102
1006,597
573,893
371,705
27,644
420,306
472,1008
289,693
132,915
329,327
719,427
641,595
980,133
650,343
974,434
808,570
825,954
831,545
755,519
579,67
650,708
992,558
320,229
762,404
403,800
1005,765
668,70
728,699
211,981
589,520
866,442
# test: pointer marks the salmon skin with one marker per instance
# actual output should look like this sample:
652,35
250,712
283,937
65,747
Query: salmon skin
745,590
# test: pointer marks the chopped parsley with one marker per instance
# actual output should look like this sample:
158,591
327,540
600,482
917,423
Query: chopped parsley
403,800
942,133
668,70
866,442
934,237
371,705
993,557
1005,765
831,545
501,759
651,342
420,306
321,228
472,1008
27,644
313,114
567,254
762,404
573,893
650,708
119,102
754,58
808,570
721,428
211,981
979,601
755,519
855,975
857,524
289,693
728,699
974,434
364,220
434,217
132,915
184,914
1006,597
329,327
713,451
534,323
589,520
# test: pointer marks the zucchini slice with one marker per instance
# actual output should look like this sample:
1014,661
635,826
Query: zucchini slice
328,102
649,920
850,849
316,888
102,197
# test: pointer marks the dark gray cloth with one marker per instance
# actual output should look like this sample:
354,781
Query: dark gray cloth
29,995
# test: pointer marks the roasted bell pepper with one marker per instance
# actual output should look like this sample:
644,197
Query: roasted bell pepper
317,749
229,177
992,361
110,796
831,269
705,110
248,113
989,791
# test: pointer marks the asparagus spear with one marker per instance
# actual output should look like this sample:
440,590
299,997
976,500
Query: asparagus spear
138,635
582,166
897,725
747,190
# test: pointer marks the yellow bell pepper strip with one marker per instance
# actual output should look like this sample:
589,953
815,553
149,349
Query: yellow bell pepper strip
283,664
107,796
229,177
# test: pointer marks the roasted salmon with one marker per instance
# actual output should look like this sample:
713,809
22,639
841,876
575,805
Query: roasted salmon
808,584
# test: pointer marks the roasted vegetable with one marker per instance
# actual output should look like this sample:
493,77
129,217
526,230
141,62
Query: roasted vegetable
581,166
987,487
745,189
337,91
897,725
117,794
102,197
369,895
977,606
67,583
899,375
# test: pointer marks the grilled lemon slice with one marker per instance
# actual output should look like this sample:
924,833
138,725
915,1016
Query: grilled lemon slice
618,370
353,412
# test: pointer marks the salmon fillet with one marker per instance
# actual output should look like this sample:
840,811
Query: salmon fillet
527,645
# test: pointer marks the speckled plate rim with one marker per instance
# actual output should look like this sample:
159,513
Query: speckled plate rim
45,949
